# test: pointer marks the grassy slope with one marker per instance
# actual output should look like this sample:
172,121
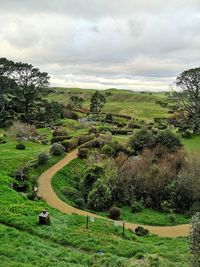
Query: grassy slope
138,105
68,176
66,241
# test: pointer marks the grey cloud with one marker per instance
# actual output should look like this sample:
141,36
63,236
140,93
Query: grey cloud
101,42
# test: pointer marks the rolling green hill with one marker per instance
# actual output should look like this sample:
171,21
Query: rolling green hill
141,105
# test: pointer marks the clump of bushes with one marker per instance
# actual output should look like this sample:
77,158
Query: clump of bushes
59,135
57,149
76,141
108,150
136,206
79,203
82,153
141,231
20,146
114,213
145,138
43,158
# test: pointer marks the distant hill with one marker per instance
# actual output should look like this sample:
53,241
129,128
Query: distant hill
141,105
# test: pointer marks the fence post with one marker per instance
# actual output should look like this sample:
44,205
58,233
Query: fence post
123,229
87,222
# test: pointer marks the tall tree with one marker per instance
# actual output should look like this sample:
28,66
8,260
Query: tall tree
6,68
76,102
32,86
97,102
188,99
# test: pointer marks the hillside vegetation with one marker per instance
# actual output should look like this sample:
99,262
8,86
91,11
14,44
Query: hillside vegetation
141,105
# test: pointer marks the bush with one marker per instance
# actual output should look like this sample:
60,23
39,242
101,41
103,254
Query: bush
108,150
2,141
59,135
166,206
168,139
60,132
114,213
109,118
136,206
172,218
70,144
141,231
100,197
82,153
57,149
69,191
57,139
186,134
66,144
139,256
142,139
85,138
79,203
20,146
43,158
93,130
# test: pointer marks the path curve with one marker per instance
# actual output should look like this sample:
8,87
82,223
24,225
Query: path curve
46,191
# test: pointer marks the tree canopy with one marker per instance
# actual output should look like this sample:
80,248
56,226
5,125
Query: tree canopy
97,102
23,88
188,99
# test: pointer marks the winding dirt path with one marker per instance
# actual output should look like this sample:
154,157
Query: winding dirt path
46,191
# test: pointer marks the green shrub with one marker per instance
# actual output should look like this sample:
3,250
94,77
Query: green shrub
60,132
69,191
141,231
70,144
57,149
114,213
166,206
172,218
85,138
142,139
136,206
168,139
43,158
57,139
20,146
82,153
139,256
2,140
79,203
108,150
66,145
93,130
100,197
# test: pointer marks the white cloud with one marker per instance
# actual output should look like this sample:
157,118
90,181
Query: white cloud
139,45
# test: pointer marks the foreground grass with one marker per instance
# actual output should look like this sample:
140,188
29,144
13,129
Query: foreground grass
66,241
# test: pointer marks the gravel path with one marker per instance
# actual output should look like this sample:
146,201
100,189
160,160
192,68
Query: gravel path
46,191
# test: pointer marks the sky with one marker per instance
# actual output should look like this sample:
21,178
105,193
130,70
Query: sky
128,44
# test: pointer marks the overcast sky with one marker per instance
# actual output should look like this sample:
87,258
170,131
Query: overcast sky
131,44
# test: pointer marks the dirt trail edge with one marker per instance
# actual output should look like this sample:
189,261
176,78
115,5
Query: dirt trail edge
46,191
